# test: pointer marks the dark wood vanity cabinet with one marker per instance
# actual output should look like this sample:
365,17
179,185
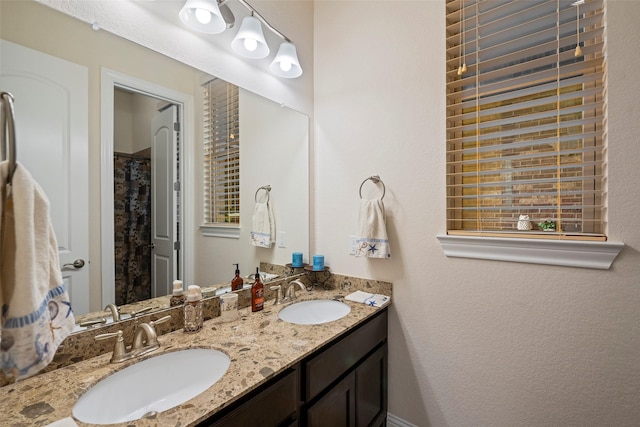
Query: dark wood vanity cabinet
359,399
274,404
343,383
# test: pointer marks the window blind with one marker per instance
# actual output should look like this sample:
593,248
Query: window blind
221,153
525,120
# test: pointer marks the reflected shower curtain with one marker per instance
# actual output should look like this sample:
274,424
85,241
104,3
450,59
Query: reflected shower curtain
132,226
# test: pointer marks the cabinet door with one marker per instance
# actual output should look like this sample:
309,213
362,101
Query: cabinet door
337,408
371,389
342,356
277,405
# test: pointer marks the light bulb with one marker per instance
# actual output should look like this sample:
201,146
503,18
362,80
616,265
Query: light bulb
203,16
285,65
250,44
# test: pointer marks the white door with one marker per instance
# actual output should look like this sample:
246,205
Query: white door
164,221
51,104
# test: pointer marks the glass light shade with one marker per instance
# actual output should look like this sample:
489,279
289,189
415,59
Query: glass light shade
203,16
250,42
286,63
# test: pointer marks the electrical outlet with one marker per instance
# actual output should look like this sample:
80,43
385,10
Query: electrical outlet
352,245
282,241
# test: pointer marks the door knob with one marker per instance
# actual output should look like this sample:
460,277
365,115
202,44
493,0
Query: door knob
152,245
79,263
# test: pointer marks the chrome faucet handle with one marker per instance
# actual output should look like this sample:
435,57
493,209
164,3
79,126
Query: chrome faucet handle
93,322
119,351
141,311
279,297
160,320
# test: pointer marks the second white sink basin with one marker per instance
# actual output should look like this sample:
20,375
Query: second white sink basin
152,385
314,312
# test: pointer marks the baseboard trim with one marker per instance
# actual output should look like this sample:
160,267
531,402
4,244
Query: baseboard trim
393,421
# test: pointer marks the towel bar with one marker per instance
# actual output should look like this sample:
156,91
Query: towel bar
266,188
375,179
8,132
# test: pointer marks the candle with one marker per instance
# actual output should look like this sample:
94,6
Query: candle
296,259
318,263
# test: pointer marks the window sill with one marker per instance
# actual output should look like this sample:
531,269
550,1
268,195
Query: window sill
568,253
227,231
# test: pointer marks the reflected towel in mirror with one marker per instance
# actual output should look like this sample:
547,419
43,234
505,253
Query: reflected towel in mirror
263,232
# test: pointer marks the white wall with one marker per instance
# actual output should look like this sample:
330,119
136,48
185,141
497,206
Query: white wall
472,343
122,122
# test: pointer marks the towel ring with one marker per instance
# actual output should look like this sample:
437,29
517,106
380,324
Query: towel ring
266,188
7,128
375,179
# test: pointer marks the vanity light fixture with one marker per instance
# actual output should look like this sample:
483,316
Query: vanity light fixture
249,41
286,63
203,16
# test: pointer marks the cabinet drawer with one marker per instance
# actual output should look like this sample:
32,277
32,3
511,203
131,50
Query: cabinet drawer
331,363
277,405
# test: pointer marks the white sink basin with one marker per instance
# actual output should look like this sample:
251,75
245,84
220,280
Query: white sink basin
314,312
153,385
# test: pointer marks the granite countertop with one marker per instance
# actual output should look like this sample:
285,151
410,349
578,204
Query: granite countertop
260,345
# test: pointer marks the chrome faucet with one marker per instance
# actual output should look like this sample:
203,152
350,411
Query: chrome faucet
115,311
140,345
290,291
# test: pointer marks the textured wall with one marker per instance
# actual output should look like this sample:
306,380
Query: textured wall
473,343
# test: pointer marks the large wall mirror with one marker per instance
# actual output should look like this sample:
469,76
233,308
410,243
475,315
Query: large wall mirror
107,136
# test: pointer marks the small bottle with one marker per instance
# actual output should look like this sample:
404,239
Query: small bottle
193,309
257,294
237,282
177,298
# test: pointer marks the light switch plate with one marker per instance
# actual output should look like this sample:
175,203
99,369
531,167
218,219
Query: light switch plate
282,241
352,244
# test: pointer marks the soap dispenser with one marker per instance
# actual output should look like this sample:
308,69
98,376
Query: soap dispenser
237,282
193,316
257,293
177,297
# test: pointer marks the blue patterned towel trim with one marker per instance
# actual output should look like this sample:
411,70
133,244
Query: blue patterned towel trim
27,319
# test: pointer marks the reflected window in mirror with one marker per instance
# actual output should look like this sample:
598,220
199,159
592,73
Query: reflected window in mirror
221,153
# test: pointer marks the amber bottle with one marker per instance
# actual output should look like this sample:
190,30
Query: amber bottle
257,293
237,282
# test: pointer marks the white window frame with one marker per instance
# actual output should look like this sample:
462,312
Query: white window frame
508,247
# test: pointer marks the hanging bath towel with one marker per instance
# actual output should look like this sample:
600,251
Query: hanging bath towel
372,240
263,233
36,312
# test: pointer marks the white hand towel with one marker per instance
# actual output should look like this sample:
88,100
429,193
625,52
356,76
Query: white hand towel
375,300
263,233
372,240
36,312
